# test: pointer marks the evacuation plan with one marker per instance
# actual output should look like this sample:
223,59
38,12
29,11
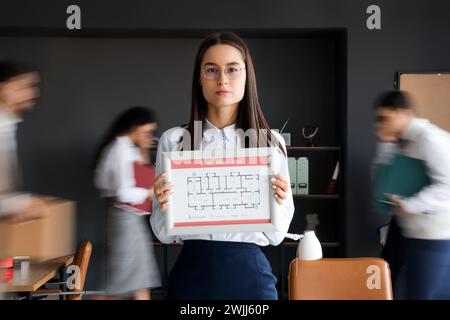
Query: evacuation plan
233,190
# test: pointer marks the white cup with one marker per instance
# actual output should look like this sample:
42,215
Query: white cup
25,268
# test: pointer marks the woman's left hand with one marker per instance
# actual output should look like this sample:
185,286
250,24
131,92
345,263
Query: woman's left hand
280,187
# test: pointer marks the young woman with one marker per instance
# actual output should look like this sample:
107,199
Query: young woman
224,99
131,265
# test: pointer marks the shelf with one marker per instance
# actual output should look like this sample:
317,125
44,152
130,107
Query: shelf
157,243
313,148
324,244
285,243
316,196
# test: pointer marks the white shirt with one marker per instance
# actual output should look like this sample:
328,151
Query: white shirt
115,174
430,207
214,138
10,200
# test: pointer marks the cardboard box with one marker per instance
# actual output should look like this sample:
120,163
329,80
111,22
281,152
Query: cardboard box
45,238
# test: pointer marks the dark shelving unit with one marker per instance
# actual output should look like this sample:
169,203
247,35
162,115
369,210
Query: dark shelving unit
322,161
317,196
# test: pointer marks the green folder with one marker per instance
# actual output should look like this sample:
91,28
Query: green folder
404,176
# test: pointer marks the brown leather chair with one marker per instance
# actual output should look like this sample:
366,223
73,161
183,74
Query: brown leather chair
340,279
81,259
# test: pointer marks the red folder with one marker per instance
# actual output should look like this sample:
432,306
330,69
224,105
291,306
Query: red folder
144,176
6,269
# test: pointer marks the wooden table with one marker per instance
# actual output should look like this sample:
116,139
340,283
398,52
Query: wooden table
38,274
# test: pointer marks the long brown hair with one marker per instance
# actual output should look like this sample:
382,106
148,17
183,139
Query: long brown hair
250,115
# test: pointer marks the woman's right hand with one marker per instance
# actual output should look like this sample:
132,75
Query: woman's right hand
162,191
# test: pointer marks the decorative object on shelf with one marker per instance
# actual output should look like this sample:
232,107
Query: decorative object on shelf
309,133
309,247
312,221
286,136
332,185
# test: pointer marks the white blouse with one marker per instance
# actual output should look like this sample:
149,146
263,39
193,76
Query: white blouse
214,138
114,175
430,207
10,199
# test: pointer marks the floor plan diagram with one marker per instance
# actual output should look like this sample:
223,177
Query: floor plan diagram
216,194
223,191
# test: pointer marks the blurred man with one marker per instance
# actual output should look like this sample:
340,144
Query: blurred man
418,243
18,92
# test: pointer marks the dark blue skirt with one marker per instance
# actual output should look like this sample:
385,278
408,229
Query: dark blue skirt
221,270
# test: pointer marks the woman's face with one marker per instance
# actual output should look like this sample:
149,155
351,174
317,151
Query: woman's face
223,76
143,135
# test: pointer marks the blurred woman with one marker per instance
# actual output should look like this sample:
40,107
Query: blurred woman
131,265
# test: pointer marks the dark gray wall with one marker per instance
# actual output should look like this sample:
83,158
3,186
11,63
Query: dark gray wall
414,36
86,82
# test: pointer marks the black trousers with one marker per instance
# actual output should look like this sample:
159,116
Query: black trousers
393,252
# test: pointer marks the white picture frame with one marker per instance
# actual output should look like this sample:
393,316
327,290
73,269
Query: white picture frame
221,191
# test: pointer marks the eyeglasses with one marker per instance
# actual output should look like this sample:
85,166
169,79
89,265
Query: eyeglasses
213,72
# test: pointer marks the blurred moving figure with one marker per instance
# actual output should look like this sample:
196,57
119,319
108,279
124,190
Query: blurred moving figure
131,265
418,241
18,92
